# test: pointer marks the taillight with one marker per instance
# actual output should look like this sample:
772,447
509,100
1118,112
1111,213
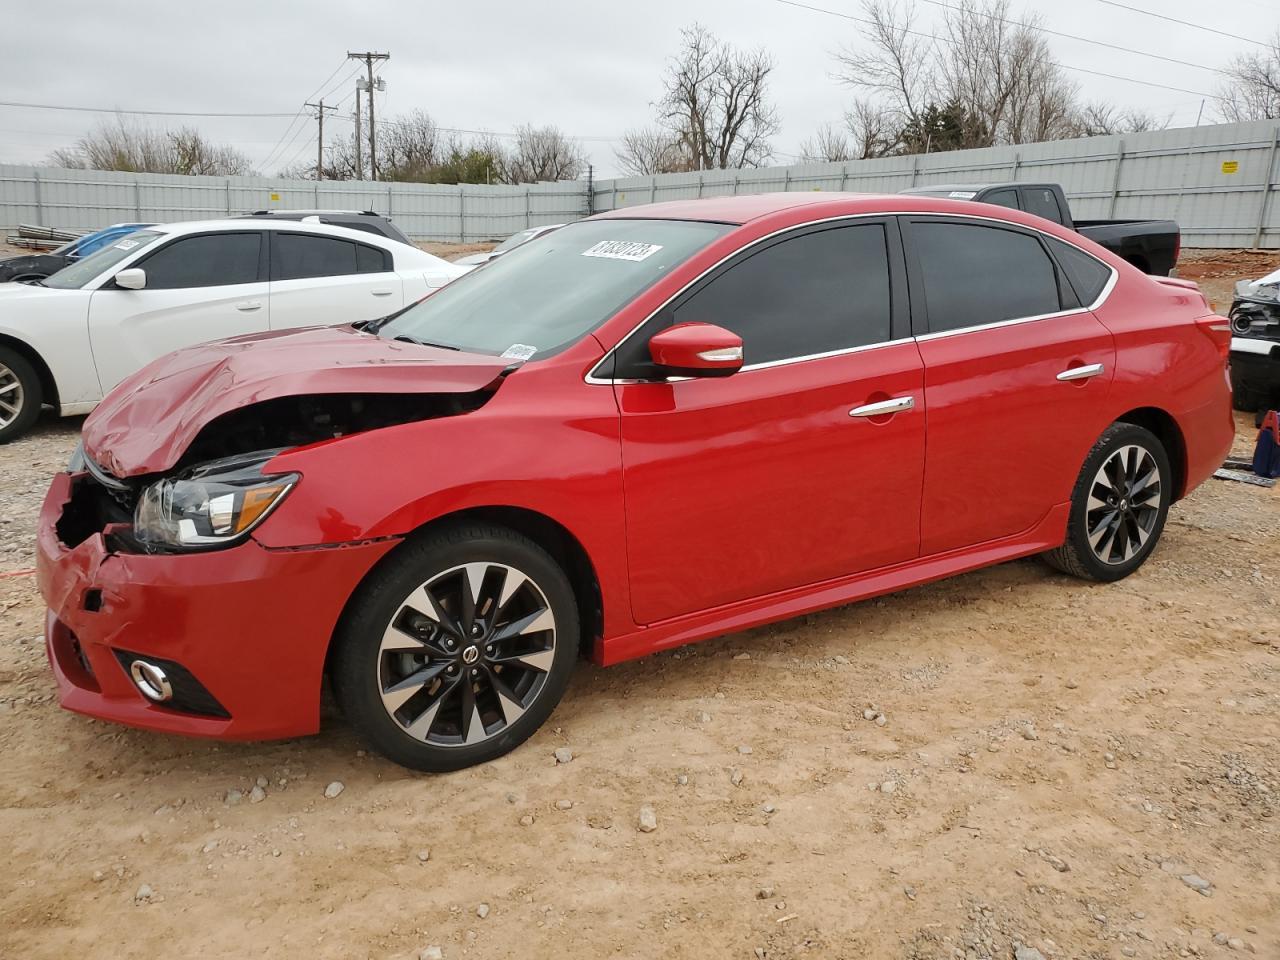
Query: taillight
1217,329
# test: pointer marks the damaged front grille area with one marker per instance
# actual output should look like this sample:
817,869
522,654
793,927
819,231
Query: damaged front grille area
97,501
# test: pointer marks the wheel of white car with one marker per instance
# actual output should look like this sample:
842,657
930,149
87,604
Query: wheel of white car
20,394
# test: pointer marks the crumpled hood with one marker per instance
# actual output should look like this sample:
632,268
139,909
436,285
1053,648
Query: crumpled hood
146,423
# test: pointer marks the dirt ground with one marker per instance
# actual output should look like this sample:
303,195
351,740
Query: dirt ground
1059,765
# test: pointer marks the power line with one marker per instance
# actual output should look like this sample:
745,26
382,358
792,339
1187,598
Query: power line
1185,23
1071,36
296,116
142,113
930,36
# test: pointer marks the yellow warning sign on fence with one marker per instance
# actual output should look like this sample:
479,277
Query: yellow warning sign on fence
275,196
1230,166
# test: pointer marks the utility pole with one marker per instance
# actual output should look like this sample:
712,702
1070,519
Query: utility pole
359,140
320,108
370,85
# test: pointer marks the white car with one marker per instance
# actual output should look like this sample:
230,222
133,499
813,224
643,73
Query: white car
69,339
507,245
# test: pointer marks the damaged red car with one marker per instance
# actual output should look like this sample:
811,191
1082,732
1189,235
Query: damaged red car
647,428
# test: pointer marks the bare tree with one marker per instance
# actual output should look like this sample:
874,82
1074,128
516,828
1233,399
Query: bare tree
1252,91
900,67
827,145
409,148
543,153
872,130
1100,119
651,150
134,147
716,102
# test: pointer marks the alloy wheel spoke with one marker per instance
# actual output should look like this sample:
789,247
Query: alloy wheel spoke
508,702
423,601
420,728
531,623
398,694
9,387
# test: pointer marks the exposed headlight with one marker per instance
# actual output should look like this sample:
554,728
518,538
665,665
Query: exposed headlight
212,504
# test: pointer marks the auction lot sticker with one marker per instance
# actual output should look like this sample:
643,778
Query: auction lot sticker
622,250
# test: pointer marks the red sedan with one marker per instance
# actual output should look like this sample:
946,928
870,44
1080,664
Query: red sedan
647,428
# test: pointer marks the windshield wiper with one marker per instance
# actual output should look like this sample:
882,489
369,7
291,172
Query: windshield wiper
424,343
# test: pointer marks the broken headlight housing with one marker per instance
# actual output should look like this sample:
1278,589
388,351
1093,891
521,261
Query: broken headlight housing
213,504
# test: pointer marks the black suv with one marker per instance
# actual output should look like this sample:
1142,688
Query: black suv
365,220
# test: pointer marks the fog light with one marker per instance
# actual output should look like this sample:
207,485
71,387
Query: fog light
151,680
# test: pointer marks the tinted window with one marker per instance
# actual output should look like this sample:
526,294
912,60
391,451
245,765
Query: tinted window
372,259
811,294
974,275
1043,203
214,260
1086,275
1003,198
298,256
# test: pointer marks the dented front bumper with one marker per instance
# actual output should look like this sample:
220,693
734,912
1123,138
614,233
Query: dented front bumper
250,625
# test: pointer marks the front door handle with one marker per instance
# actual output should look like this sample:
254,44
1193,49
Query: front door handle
884,407
381,293
1081,373
249,305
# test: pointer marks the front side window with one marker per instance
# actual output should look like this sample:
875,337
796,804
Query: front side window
975,275
816,293
544,296
213,260
87,268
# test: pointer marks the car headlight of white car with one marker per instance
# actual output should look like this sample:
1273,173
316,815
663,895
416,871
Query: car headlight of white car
211,504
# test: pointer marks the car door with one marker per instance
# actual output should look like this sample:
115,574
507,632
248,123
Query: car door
199,287
1016,379
748,485
318,280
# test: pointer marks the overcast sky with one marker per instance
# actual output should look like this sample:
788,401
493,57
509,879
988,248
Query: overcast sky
594,69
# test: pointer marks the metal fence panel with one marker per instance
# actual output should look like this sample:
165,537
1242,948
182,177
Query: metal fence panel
1219,182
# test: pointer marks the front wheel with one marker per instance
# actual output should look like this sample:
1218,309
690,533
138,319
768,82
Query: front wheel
1118,506
457,648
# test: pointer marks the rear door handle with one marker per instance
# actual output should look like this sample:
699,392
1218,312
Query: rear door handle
1081,373
249,305
883,407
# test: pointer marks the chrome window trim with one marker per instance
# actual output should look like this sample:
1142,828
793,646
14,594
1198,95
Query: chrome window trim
591,377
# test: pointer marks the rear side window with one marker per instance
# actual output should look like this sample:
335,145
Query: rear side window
975,275
811,294
299,256
1086,275
1003,198
213,260
1043,203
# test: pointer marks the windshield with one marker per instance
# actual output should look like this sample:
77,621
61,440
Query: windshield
544,296
82,271
515,240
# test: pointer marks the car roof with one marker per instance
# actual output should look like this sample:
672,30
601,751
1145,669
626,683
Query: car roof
313,213
292,226
962,187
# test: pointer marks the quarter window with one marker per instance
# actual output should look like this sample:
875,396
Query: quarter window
974,275
299,256
815,293
1087,276
213,260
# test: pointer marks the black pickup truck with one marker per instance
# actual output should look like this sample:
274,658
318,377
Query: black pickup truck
1150,245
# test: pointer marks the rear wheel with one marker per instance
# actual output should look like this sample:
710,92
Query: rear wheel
20,394
1118,506
457,649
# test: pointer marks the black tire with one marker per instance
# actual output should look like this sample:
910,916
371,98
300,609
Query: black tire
1120,520
15,368
362,672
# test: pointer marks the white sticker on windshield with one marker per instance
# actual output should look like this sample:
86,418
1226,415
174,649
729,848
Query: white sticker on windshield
519,351
126,244
962,194
622,250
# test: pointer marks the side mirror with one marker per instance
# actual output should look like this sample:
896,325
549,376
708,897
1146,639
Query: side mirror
135,278
697,350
